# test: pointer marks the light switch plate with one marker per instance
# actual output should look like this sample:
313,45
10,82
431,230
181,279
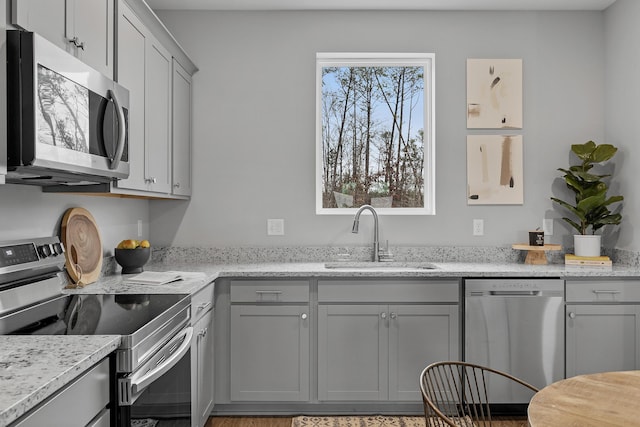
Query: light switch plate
275,227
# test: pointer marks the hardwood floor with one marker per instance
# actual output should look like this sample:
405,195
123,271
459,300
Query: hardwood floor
286,422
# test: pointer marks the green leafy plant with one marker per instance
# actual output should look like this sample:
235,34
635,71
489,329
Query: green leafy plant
591,207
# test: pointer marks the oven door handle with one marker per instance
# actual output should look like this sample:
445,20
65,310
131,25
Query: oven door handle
143,382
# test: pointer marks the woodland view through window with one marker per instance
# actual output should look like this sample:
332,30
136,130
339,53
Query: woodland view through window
375,133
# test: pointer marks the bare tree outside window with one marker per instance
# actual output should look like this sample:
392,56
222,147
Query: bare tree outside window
375,133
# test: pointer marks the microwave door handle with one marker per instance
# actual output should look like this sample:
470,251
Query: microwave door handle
143,382
115,161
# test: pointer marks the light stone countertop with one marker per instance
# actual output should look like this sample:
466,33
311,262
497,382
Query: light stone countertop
33,368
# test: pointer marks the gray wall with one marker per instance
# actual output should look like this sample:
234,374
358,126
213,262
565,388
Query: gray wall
623,110
254,112
27,212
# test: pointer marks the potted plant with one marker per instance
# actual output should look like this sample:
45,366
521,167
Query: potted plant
591,206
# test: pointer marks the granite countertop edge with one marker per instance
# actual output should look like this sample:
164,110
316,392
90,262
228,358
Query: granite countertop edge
34,368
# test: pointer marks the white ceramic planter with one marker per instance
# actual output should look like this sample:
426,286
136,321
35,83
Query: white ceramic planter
587,245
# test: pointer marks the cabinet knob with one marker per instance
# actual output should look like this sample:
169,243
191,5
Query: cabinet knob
383,315
572,315
176,185
393,315
151,180
304,316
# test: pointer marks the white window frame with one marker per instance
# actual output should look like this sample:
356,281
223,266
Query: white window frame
345,59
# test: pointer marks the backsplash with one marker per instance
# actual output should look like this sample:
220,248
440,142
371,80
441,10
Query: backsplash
254,255
472,254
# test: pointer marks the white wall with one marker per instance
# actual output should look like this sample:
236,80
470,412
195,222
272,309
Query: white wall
254,112
623,110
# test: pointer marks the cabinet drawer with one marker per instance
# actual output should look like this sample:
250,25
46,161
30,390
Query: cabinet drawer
92,389
269,291
603,290
201,302
389,291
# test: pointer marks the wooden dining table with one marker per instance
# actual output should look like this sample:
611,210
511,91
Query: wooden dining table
593,400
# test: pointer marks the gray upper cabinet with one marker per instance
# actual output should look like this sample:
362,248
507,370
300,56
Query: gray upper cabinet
181,147
602,326
369,350
132,44
145,68
84,28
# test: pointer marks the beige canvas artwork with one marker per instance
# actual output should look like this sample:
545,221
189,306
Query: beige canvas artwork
495,170
494,93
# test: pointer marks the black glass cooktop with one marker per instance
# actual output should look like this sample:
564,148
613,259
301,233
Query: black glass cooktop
97,314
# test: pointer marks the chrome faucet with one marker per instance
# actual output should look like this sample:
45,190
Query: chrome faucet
356,223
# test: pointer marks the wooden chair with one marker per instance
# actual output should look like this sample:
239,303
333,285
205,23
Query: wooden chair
456,393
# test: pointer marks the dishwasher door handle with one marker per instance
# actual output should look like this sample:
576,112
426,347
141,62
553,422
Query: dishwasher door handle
515,293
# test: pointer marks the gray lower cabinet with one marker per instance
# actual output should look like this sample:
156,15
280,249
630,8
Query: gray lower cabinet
202,369
602,326
372,351
269,354
202,356
84,402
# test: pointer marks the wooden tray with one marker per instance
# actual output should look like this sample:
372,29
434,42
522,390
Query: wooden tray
536,254
83,245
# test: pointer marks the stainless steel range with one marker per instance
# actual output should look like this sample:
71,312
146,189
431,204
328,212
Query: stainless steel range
155,329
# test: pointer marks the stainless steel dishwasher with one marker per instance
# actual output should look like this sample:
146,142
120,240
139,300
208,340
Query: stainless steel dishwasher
517,326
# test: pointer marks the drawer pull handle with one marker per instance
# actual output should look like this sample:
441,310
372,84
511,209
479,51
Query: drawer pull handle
605,291
268,292
204,305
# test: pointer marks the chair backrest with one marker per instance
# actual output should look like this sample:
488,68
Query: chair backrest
457,393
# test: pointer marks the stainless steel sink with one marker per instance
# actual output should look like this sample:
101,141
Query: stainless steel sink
382,265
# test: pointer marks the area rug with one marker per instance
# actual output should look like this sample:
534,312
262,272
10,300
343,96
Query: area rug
358,421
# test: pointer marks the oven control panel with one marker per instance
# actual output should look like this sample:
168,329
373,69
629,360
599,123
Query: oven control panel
30,253
18,254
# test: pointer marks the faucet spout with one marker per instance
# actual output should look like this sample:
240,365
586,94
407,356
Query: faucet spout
376,240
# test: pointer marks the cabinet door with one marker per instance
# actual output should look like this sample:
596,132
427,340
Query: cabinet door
602,338
157,117
419,335
269,353
352,352
132,37
91,21
181,143
203,365
45,17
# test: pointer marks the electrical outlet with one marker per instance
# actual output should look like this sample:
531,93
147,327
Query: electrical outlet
547,226
478,227
275,227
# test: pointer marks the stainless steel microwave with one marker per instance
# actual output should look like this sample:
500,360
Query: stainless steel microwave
66,122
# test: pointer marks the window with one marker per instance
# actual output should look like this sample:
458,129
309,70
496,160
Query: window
375,133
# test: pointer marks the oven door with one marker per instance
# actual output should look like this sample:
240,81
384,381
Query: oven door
159,392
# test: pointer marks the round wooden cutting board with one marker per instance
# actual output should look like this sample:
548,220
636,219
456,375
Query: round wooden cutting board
83,246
